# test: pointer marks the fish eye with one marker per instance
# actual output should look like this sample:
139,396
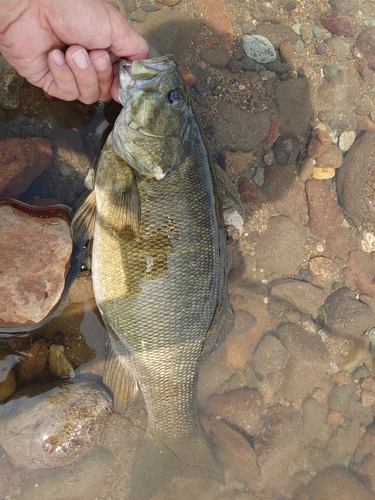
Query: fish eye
175,97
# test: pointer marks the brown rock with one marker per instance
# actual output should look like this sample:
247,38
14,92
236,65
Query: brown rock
360,271
216,16
287,51
242,408
331,158
270,355
237,163
247,191
324,214
169,2
339,23
337,483
319,143
366,44
335,418
324,269
22,161
308,361
7,378
341,241
33,361
34,256
305,296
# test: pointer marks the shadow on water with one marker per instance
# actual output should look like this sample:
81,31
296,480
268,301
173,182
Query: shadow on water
232,124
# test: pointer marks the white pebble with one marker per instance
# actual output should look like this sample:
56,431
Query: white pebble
346,139
259,48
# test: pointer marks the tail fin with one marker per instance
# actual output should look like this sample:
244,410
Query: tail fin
157,462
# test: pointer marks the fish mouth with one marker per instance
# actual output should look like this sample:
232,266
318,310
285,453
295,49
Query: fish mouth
145,74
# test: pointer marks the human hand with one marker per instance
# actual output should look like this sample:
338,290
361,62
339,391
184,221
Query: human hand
34,34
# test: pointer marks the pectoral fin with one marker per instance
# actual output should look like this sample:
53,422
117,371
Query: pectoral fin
126,217
83,222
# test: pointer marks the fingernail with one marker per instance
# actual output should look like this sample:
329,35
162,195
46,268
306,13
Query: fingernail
80,59
101,63
58,57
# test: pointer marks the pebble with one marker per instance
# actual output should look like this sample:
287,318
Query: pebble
21,161
33,360
332,158
55,427
367,398
242,408
344,5
339,23
324,214
270,355
306,297
149,7
319,143
287,51
313,419
30,245
258,177
280,248
308,361
10,83
247,191
285,149
306,33
355,188
306,169
169,2
345,316
346,140
366,44
216,16
59,365
259,48
216,57
130,5
7,378
339,397
323,173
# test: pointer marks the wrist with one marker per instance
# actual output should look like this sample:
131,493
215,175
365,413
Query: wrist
10,10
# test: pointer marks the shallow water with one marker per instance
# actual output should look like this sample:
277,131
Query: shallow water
276,418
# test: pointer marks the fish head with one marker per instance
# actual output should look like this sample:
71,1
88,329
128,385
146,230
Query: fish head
151,132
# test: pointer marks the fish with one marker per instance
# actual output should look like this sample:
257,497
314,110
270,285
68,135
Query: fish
159,266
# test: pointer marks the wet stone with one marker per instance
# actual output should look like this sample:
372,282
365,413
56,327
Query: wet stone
339,23
130,5
345,316
259,48
280,248
366,44
59,365
216,16
242,408
287,51
216,57
344,5
55,427
10,83
270,355
341,241
339,397
29,247
333,157
324,214
319,143
308,361
313,419
21,162
286,149
7,378
33,361
306,297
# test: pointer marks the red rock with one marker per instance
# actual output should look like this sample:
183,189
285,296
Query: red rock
22,161
247,191
339,23
188,77
242,408
331,158
359,273
273,134
34,257
237,163
366,44
319,143
216,16
324,214
33,362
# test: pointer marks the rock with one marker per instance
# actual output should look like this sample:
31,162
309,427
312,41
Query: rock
280,248
345,316
59,365
216,16
339,23
32,362
55,427
277,445
270,355
286,149
333,157
259,48
359,272
324,214
366,44
313,419
242,408
235,453
324,270
169,2
357,355
130,5
354,180
344,5
149,7
234,129
323,173
215,56
341,241
346,139
213,375
247,191
306,169
308,361
287,51
34,256
319,143
306,297
339,397
237,163
81,479
337,483
10,83
21,161
7,378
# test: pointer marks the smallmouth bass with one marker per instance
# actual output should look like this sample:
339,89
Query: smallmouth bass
159,266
